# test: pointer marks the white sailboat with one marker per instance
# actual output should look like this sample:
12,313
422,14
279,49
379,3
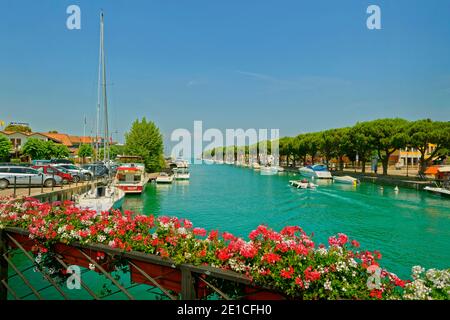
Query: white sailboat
102,198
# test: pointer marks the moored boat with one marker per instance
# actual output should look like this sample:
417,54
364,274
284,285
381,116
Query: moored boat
163,177
101,198
268,170
131,178
318,171
181,174
345,180
437,190
302,184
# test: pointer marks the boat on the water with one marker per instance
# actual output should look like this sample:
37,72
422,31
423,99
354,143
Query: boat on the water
164,177
256,166
302,184
445,192
268,170
318,171
181,174
101,198
131,178
346,180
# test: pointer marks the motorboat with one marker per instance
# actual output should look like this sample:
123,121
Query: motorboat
181,163
302,184
100,198
164,177
318,171
345,180
256,166
131,178
438,190
181,173
268,170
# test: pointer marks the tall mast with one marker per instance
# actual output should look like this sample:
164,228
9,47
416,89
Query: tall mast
105,100
97,121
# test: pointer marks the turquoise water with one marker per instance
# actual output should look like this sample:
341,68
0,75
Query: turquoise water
409,227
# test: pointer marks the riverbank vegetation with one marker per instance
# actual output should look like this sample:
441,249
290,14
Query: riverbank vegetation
365,140
145,140
288,262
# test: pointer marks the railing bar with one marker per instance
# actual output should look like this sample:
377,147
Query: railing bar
107,275
115,292
23,270
10,290
153,281
45,275
215,289
81,281
22,277
39,290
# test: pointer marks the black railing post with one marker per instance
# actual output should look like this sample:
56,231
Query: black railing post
187,284
15,186
42,183
3,266
29,186
53,182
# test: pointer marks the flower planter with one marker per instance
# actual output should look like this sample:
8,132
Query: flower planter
169,278
72,256
24,241
255,293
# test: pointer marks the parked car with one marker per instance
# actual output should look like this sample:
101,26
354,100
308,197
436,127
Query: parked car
51,170
26,176
65,161
76,172
98,169
40,162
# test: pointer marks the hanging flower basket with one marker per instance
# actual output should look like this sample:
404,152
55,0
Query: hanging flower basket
72,256
24,241
255,293
169,278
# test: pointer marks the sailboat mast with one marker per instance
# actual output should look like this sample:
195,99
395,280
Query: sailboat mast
99,79
105,100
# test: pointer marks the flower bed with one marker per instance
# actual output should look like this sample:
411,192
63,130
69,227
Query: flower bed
288,261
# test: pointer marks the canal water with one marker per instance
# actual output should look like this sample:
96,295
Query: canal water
409,227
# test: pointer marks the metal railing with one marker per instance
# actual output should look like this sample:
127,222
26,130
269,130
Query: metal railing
194,282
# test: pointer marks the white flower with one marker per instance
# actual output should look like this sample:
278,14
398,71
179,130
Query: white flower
182,230
322,251
327,285
187,255
101,238
91,266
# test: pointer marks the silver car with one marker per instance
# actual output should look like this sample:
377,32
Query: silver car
76,172
25,176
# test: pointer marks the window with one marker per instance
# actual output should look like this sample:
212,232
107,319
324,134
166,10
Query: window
30,171
4,170
17,170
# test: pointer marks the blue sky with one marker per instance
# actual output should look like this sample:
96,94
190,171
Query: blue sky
298,66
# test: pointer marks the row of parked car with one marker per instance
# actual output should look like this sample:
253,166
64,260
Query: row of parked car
50,173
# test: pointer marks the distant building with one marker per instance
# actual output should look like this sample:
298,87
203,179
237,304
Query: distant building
410,156
18,139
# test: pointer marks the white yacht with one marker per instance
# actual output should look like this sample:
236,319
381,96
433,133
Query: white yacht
268,170
318,171
163,177
101,198
181,173
437,190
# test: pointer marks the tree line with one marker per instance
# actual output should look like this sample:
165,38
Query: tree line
377,138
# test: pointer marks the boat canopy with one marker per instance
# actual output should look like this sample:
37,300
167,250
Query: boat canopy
318,167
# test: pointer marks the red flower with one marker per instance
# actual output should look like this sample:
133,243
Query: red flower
290,230
299,281
187,224
287,273
248,251
271,258
199,232
311,275
376,293
355,243
228,236
342,239
213,235
224,254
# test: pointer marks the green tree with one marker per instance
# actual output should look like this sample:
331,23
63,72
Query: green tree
145,140
85,151
17,128
422,133
5,147
312,142
34,148
387,135
60,151
362,143
327,144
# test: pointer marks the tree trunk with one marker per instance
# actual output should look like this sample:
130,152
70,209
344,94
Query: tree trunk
385,162
363,168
